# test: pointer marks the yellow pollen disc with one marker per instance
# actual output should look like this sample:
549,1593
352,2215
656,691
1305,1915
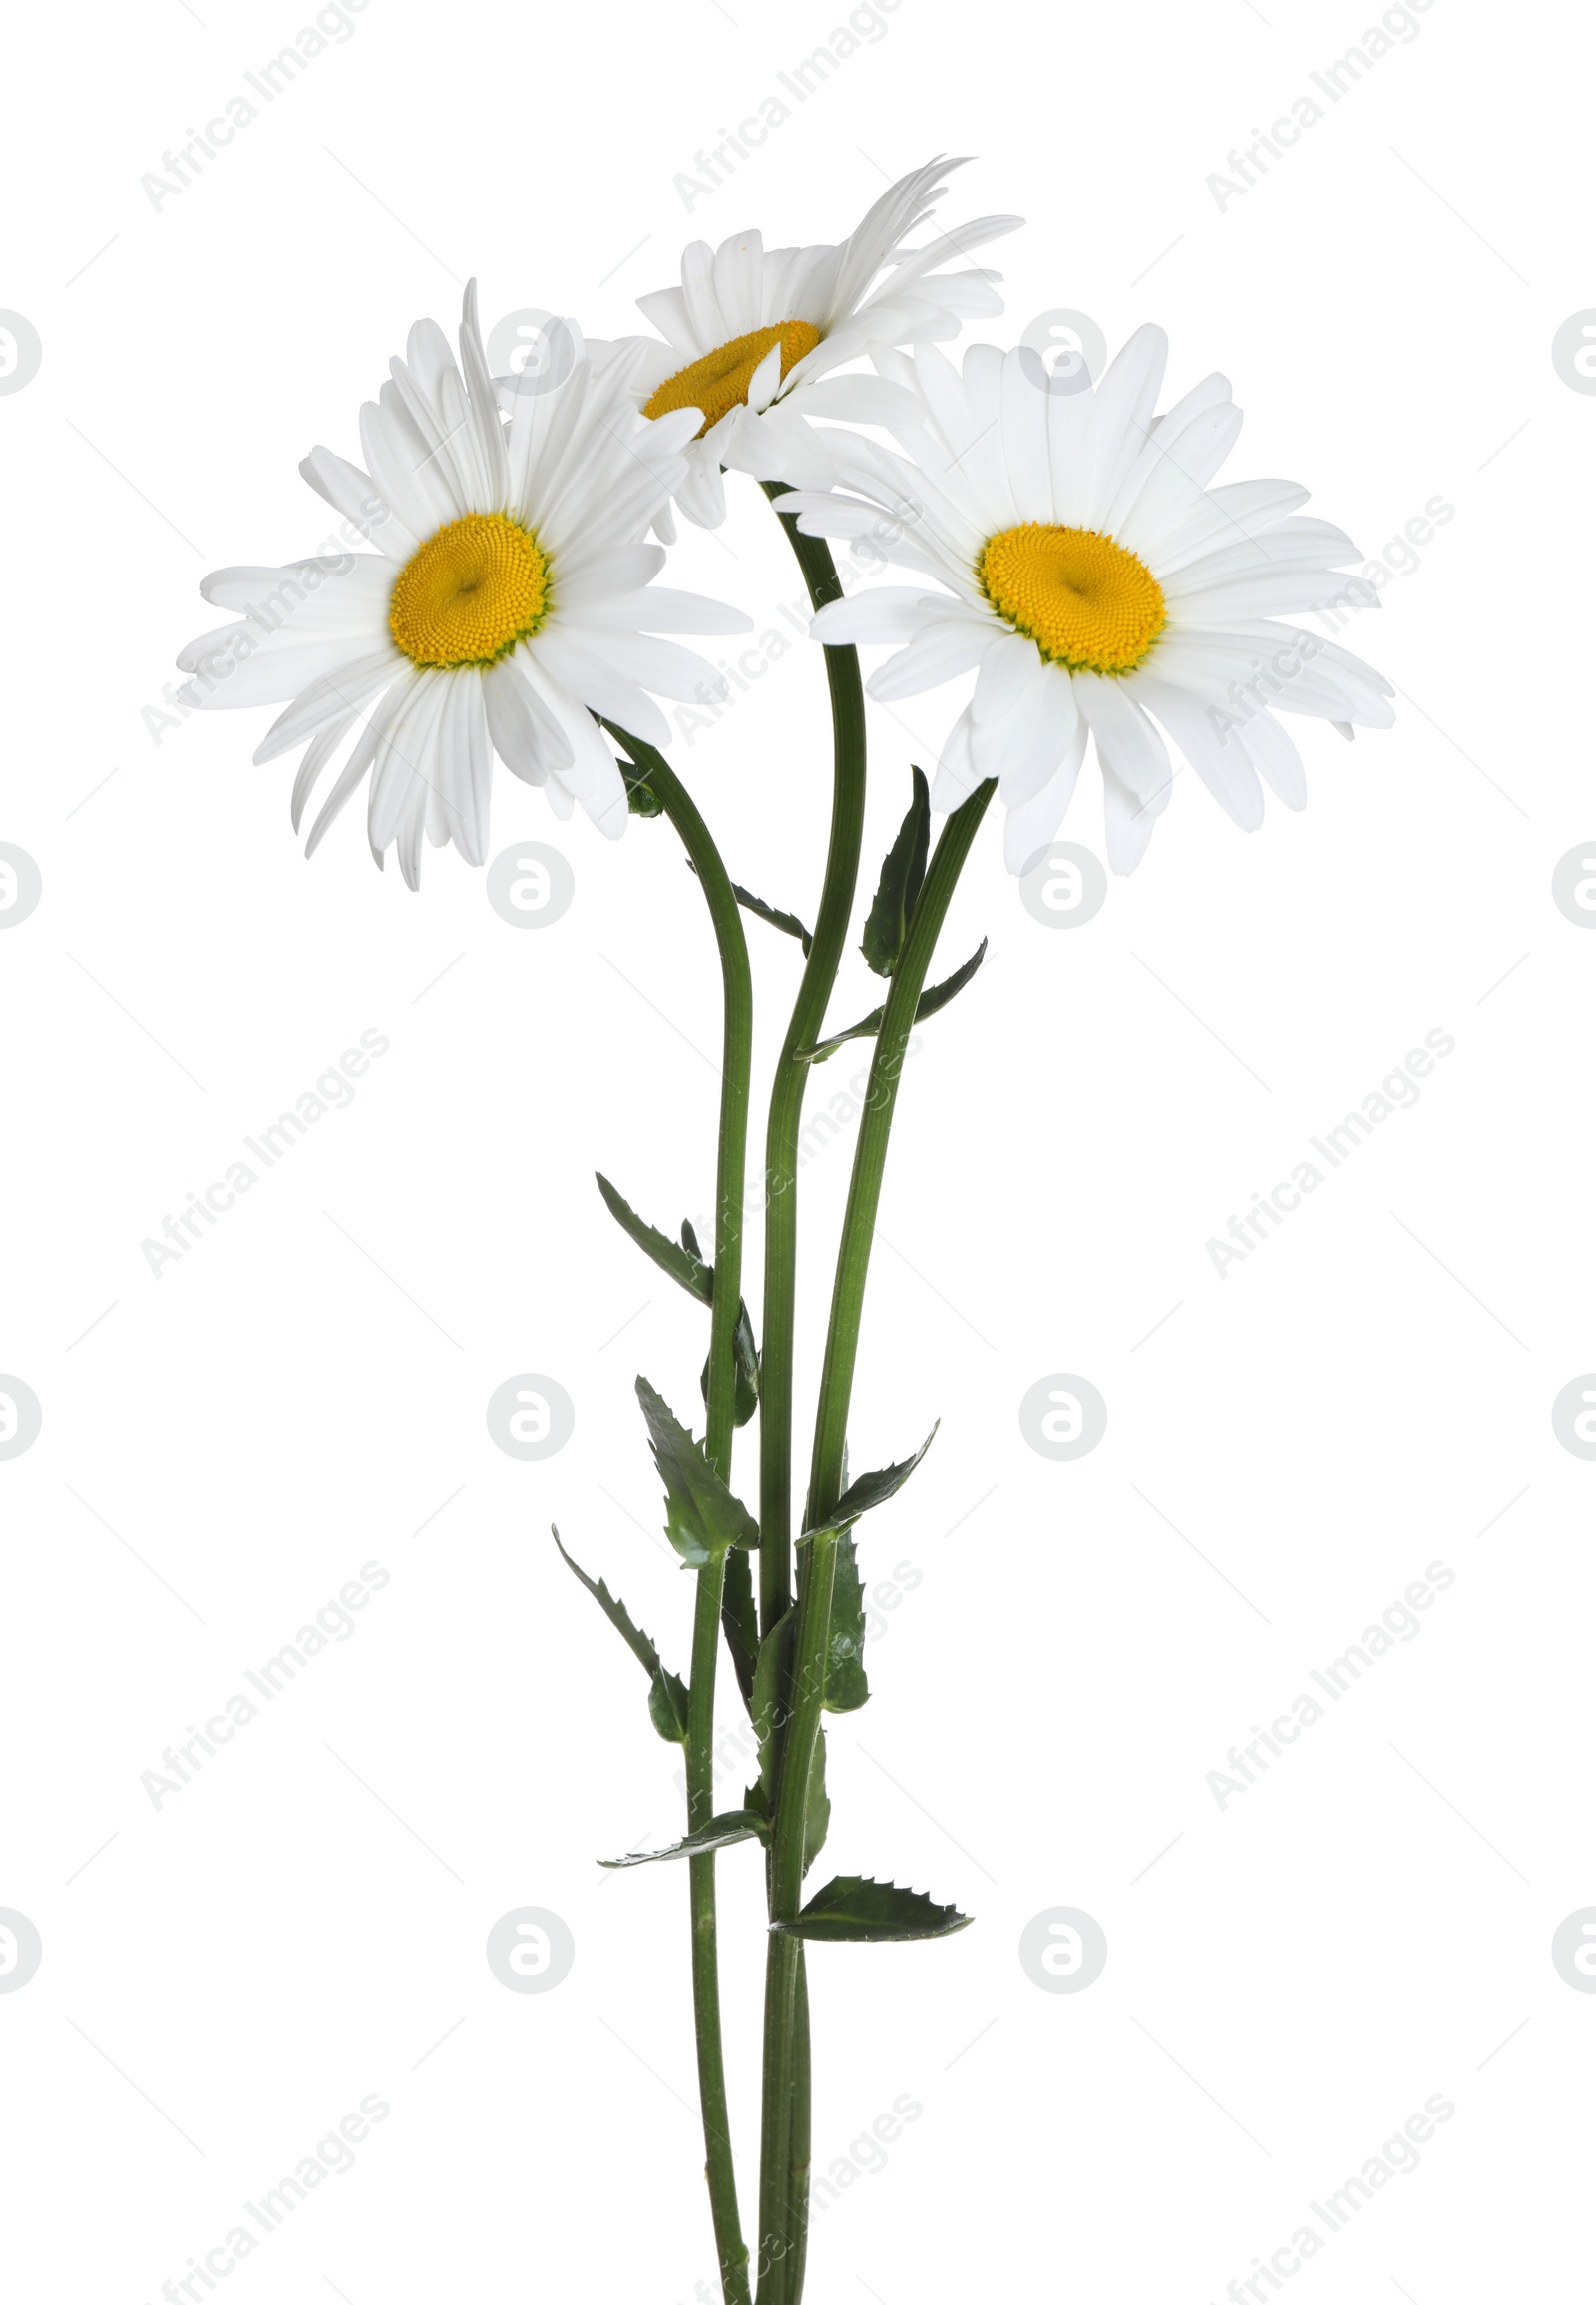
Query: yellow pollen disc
1087,602
719,381
469,592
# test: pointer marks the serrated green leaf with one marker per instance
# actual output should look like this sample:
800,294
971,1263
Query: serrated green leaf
869,1491
934,998
770,1674
739,1621
846,1686
852,1911
686,1263
771,1712
703,1517
745,1357
683,1263
788,923
642,799
901,875
667,1694
667,1707
817,1811
720,1832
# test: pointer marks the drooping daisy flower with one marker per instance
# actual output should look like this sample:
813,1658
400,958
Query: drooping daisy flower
751,333
1099,585
511,598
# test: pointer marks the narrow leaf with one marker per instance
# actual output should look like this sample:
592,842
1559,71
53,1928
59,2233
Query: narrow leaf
747,1354
667,1707
934,998
719,1834
739,1621
683,1263
788,923
769,1709
642,798
846,1686
667,1695
901,875
851,1911
772,1703
745,1357
869,1491
703,1517
817,1811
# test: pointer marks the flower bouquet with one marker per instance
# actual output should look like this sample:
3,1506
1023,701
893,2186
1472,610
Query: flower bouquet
1063,543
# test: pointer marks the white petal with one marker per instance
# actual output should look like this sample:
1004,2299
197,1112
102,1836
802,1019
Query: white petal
354,493
329,699
591,679
526,736
1009,672
1127,825
941,652
1275,758
387,708
956,774
888,613
1031,824
405,760
315,760
1127,741
1224,768
657,608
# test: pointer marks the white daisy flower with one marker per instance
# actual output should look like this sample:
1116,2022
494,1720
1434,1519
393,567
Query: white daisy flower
751,333
512,599
1099,585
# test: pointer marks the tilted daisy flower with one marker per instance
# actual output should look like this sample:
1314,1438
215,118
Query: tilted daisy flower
511,600
751,333
1096,584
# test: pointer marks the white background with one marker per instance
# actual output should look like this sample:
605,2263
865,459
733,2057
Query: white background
223,1448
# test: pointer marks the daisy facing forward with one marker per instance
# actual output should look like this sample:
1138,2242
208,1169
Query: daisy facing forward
1099,587
751,333
510,599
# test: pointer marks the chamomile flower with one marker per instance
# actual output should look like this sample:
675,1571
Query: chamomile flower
510,599
1096,584
751,333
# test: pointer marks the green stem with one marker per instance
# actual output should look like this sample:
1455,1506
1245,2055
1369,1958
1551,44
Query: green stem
736,1063
782,2014
785,2118
792,1077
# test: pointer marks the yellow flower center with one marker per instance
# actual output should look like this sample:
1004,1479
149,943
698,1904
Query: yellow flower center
1087,602
469,592
720,382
